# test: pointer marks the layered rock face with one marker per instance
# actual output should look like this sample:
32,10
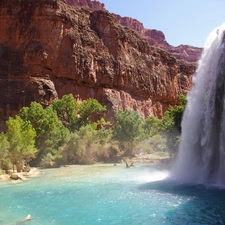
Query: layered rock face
92,4
157,38
154,37
48,49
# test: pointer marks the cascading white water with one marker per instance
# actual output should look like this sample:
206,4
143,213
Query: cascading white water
201,156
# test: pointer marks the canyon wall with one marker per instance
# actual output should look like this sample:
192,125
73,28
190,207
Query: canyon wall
153,36
49,48
157,38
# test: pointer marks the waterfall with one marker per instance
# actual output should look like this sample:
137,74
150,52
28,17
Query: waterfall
201,157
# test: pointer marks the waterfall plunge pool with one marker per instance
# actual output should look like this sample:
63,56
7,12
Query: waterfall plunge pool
107,194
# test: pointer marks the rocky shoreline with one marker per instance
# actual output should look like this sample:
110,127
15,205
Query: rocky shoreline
20,176
33,172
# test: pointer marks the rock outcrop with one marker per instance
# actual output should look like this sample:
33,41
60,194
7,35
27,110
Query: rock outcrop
91,4
48,49
153,36
157,38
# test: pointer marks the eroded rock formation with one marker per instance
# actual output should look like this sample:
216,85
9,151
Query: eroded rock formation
92,4
49,48
157,38
153,36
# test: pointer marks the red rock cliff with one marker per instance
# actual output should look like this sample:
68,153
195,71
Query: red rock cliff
157,38
48,49
92,4
153,36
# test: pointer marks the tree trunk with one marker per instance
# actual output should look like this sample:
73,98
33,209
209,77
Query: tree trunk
19,167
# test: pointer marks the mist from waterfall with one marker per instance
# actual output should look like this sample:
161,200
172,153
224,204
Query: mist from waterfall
201,157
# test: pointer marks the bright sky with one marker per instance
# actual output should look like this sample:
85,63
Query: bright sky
186,22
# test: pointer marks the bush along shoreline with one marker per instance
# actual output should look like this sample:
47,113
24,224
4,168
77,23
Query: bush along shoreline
69,132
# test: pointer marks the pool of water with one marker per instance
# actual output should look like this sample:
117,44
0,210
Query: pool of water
109,195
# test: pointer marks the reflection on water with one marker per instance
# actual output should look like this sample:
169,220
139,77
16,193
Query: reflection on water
107,194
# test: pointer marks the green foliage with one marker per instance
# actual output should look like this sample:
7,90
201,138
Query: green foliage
154,144
168,128
99,123
168,121
152,126
71,149
79,147
172,125
104,135
173,116
74,115
35,114
88,134
69,132
88,145
127,128
21,136
67,111
4,148
51,134
128,125
182,100
47,160
87,109
48,130
6,164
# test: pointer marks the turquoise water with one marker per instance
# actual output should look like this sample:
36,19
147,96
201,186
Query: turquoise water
109,195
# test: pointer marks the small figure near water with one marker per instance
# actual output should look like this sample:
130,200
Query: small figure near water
128,166
26,219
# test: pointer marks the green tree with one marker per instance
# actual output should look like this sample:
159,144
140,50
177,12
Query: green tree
74,115
88,109
127,128
67,111
35,114
79,149
51,134
21,136
173,116
4,148
172,124
152,126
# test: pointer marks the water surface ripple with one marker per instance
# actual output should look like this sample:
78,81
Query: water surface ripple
110,195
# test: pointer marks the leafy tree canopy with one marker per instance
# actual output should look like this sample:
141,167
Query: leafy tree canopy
4,148
173,116
21,137
128,125
152,126
50,131
67,110
86,109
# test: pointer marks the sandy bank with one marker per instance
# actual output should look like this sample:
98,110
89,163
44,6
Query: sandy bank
20,176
